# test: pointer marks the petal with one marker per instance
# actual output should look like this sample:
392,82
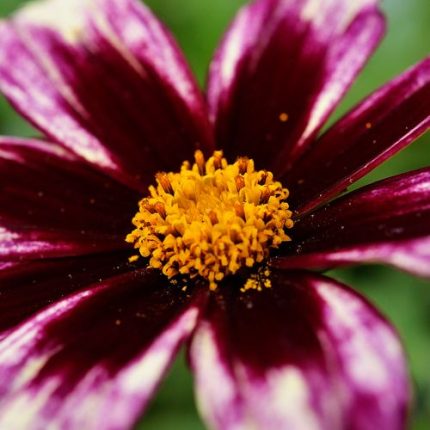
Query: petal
307,354
27,287
93,360
388,221
32,244
383,124
53,204
105,79
281,70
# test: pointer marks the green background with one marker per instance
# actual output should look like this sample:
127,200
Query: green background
198,25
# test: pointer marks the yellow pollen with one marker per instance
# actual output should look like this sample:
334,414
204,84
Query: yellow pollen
368,125
133,258
258,281
283,117
212,219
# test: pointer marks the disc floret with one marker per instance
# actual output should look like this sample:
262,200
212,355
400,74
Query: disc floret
211,219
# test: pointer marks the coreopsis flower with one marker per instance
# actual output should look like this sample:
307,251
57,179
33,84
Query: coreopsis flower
151,215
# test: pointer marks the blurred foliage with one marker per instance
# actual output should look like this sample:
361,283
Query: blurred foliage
198,26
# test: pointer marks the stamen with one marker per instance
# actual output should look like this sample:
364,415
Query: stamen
265,194
217,157
200,161
238,209
147,206
212,219
263,177
159,207
240,182
243,165
163,180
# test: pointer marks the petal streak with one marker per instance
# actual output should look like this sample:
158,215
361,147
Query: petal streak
94,359
307,354
386,222
383,124
105,79
281,70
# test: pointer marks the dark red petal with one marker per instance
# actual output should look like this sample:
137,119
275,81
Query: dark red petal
26,287
93,360
387,222
375,130
53,204
105,79
307,354
281,70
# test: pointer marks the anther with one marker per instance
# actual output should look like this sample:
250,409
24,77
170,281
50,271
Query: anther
161,210
217,157
163,180
263,177
200,161
213,217
240,182
235,236
148,207
240,211
265,195
171,230
242,163
186,165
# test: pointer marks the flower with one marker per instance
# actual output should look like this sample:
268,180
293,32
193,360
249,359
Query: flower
86,334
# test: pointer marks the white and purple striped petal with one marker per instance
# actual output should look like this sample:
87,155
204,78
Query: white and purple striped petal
307,354
383,124
105,79
281,70
26,287
52,204
386,222
93,360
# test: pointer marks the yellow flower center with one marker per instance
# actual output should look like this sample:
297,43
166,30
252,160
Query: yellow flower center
211,219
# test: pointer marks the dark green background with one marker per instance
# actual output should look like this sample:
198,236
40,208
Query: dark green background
198,25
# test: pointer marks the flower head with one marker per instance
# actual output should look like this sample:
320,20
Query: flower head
90,322
211,219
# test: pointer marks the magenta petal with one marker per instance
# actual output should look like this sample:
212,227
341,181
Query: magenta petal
281,70
30,243
375,130
387,222
28,286
105,79
53,204
307,354
93,360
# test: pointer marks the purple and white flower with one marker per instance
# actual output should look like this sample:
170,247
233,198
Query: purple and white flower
86,336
